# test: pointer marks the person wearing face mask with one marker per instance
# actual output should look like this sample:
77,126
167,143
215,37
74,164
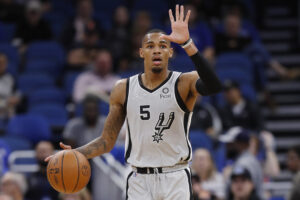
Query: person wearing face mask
38,185
237,152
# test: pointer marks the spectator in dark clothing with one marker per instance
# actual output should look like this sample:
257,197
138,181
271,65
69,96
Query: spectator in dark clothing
32,27
119,35
236,39
238,111
39,187
75,28
242,187
10,11
293,164
10,97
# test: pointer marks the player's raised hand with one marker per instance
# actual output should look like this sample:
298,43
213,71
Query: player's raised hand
63,146
180,31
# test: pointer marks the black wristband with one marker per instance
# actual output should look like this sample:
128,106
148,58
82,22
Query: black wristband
185,42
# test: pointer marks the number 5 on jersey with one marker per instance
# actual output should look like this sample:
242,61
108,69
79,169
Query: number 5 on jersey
145,114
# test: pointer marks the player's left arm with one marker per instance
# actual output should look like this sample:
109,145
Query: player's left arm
208,83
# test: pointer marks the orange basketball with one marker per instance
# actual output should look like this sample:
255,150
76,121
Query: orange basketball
68,171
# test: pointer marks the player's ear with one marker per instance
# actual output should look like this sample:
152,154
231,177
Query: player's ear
171,52
141,53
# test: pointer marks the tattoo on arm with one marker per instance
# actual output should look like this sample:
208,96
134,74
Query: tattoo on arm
106,141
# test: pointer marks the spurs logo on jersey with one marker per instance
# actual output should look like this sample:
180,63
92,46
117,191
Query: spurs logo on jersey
157,124
160,127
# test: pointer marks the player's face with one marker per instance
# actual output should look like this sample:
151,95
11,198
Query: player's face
155,52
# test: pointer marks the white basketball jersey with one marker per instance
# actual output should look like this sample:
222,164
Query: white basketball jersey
157,124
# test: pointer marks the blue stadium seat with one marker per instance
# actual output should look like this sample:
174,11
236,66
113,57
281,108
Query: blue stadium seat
13,57
151,6
220,157
46,50
50,95
181,63
28,83
32,127
108,6
7,32
200,139
127,74
236,75
43,66
69,80
237,61
5,150
55,114
16,143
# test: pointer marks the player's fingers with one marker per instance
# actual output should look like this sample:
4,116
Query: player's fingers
187,17
171,16
48,158
177,12
63,146
181,15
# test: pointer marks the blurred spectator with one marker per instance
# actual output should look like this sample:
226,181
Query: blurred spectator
211,180
10,11
119,35
99,81
234,38
242,186
14,184
84,194
74,32
206,118
237,151
293,159
81,55
293,164
81,130
142,22
238,111
9,96
39,187
36,27
198,192
4,196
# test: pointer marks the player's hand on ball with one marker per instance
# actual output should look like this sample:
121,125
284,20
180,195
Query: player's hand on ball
63,146
180,32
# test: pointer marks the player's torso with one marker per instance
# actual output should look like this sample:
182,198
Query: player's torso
157,128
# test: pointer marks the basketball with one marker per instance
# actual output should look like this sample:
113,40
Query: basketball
68,171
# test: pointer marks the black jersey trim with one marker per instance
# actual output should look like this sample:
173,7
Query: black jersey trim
190,183
127,93
185,125
160,85
178,97
127,185
128,152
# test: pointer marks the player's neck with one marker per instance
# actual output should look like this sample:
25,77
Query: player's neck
152,80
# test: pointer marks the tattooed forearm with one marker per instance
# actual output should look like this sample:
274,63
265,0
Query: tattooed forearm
94,148
107,140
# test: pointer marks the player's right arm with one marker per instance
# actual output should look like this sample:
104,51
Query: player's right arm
114,121
113,124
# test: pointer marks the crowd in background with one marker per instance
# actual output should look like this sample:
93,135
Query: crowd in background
102,47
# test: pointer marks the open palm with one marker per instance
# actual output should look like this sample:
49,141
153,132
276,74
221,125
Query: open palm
180,31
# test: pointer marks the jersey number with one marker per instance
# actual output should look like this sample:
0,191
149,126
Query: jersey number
145,114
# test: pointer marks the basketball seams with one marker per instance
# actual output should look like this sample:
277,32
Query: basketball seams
78,171
48,175
62,172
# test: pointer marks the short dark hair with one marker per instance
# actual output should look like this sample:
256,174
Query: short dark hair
155,30
90,98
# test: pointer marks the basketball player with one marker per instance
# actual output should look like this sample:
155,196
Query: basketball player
157,108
